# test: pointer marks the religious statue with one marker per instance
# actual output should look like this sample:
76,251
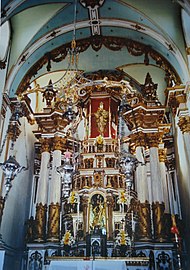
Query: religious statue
101,118
30,229
97,213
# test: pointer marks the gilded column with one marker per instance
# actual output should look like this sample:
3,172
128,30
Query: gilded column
40,229
143,196
158,220
85,203
143,186
110,203
157,188
144,221
53,222
42,193
55,193
167,215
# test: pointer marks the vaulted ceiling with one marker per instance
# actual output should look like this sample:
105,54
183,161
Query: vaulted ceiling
134,36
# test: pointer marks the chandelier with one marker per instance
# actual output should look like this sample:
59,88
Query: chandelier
11,168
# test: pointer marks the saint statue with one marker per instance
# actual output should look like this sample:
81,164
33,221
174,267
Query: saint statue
101,118
97,213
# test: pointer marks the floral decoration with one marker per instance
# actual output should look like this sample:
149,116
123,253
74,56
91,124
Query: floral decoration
68,239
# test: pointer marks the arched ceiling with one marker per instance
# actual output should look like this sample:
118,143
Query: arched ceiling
129,35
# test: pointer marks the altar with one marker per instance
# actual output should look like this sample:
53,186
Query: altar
141,263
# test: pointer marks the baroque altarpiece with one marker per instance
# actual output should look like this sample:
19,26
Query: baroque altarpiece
104,181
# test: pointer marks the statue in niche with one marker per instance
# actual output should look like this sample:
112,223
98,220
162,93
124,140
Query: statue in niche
97,213
30,229
101,118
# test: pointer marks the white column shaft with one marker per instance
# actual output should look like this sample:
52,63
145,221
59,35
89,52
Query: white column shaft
157,189
141,175
55,182
42,194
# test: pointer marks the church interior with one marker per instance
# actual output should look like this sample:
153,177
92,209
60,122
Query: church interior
95,135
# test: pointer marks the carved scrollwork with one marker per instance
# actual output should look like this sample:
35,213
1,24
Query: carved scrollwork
96,42
184,124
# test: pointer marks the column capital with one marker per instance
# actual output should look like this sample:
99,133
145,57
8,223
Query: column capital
58,143
184,123
45,144
151,139
137,139
162,152
175,96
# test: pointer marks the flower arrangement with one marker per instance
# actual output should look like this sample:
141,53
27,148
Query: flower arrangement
122,198
99,140
122,239
72,198
68,239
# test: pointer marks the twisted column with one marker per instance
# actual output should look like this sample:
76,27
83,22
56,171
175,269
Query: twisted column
138,143
110,203
40,229
144,221
54,222
158,220
85,202
41,206
55,192
158,205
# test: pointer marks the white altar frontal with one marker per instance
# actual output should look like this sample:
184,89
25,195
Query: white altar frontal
99,264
